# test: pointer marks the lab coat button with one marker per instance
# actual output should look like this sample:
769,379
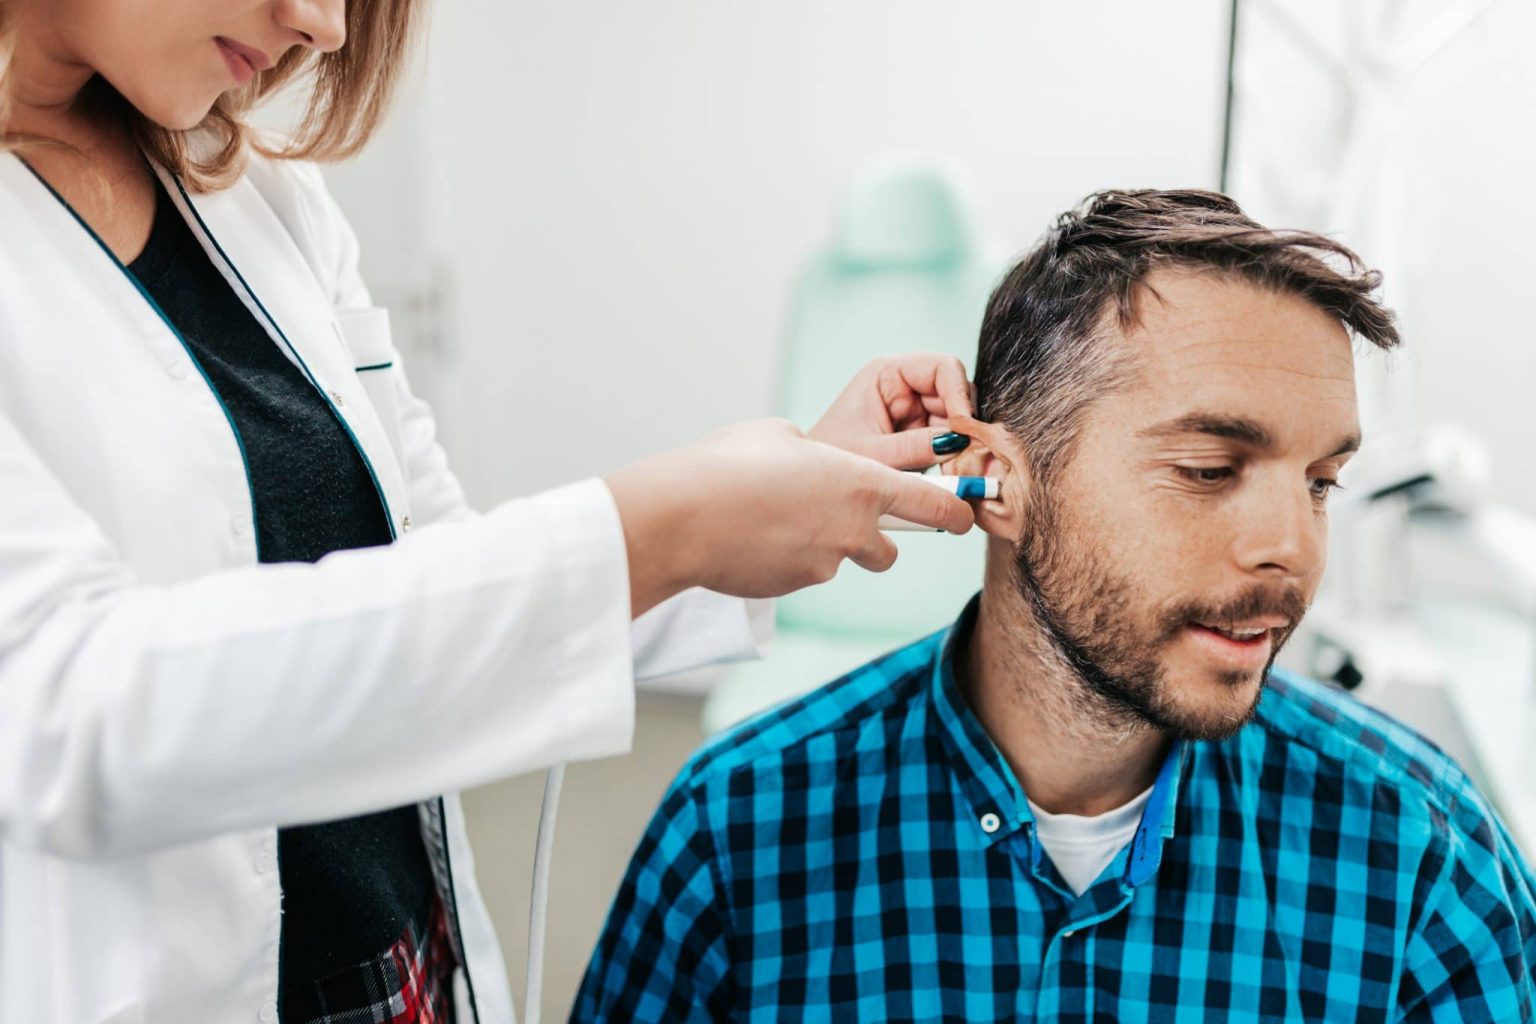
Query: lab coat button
265,863
177,370
268,1012
990,823
405,524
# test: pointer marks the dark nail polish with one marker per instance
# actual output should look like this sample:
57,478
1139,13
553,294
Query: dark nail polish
948,444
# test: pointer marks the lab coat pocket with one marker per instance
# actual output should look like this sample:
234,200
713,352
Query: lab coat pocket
365,332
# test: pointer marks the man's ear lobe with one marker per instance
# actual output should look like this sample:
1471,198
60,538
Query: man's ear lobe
994,452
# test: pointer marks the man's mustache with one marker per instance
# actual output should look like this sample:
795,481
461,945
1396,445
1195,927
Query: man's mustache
1259,601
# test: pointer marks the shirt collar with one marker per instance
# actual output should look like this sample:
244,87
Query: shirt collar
1158,818
995,799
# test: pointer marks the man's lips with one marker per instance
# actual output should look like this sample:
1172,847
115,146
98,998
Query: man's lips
1236,636
1249,629
1242,646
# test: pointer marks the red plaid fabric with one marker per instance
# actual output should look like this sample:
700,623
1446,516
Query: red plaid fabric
409,983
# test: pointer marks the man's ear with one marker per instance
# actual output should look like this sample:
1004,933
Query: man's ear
994,452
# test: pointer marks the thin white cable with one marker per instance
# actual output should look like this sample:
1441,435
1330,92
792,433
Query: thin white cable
538,911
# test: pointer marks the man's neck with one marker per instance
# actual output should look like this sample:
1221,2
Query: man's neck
1070,752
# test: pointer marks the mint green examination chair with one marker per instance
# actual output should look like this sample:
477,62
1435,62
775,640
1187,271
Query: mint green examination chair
903,272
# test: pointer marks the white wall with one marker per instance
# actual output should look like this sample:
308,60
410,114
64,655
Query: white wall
623,192
1473,144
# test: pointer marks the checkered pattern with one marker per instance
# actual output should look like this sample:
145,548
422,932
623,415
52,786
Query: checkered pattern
832,860
409,983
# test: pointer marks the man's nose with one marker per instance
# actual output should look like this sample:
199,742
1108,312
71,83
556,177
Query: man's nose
319,24
1281,531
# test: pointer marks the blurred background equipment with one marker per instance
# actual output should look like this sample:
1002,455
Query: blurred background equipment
1429,610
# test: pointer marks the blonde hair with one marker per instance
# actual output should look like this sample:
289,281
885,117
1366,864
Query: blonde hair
349,91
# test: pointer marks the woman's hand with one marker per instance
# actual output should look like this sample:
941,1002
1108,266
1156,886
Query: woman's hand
760,510
896,407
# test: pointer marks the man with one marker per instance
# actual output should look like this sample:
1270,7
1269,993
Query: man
1090,798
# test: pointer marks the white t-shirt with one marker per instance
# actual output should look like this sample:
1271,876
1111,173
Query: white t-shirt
1081,848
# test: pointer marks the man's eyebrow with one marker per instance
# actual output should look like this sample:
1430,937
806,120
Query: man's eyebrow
1235,428
1349,443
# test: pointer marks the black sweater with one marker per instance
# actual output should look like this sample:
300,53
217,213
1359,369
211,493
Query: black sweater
351,887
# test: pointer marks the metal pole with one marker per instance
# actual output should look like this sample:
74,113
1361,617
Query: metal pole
1226,121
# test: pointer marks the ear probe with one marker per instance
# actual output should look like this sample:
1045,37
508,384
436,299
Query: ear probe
970,488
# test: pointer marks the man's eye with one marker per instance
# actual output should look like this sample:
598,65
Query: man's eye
1206,474
1322,485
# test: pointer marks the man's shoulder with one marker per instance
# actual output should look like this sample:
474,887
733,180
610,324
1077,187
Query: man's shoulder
1345,742
805,731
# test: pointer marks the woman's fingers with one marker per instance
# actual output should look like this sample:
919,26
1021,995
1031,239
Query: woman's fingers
877,555
914,449
892,395
759,510
918,501
927,375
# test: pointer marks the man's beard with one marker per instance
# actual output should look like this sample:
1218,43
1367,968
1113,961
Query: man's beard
1089,617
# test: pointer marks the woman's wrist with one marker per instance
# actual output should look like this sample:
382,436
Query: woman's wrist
658,535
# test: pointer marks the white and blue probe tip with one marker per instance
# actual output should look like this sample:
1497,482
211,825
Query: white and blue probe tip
970,488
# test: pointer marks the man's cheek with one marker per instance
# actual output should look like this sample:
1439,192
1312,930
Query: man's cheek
1322,561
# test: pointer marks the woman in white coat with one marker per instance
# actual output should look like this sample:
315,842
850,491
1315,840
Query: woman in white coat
250,633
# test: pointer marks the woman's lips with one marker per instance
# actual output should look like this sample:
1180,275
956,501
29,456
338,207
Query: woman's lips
243,61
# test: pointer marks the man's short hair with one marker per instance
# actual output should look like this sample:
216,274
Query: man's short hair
1045,350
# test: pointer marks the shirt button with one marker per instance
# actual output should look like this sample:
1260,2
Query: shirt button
341,403
990,823
1069,933
268,1012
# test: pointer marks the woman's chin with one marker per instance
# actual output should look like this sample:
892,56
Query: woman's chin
177,115
186,120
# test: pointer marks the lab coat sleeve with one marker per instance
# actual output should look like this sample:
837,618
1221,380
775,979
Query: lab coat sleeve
137,716
692,630
699,627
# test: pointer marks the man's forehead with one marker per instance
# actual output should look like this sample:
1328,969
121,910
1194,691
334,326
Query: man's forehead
1197,322
1226,348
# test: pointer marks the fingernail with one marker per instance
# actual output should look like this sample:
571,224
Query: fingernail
948,444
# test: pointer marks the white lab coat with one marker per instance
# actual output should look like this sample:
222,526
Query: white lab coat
165,701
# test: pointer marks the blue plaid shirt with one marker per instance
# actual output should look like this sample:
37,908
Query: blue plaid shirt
865,853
